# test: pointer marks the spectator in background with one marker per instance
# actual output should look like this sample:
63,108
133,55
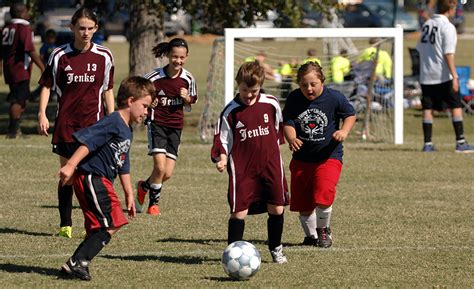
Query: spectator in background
340,67
383,69
311,53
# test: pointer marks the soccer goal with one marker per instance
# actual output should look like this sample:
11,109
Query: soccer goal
376,92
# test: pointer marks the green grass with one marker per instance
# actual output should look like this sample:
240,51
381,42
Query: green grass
401,218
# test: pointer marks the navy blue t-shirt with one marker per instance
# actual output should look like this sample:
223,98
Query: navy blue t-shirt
315,121
109,142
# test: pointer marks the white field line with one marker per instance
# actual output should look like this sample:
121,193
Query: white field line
287,249
48,146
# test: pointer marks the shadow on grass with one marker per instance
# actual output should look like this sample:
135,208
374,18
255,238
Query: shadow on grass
190,260
223,279
16,231
14,268
205,241
56,207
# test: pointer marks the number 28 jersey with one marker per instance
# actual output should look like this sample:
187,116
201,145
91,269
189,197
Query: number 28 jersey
79,79
438,37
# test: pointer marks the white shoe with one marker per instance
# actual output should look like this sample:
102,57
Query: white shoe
278,256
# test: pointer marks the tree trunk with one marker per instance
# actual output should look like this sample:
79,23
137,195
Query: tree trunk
146,31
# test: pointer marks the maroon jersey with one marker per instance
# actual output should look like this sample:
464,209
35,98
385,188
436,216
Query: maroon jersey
17,43
250,137
79,79
169,110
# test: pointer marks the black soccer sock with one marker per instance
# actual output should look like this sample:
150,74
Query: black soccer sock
458,130
146,184
92,245
235,230
65,204
427,130
13,126
275,230
154,196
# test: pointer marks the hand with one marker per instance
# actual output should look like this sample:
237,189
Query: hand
66,174
340,135
183,92
222,163
43,124
455,84
295,144
132,211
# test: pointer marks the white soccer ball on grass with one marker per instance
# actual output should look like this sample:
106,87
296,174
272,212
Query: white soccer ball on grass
241,260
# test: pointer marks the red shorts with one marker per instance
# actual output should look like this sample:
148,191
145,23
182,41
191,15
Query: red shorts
99,202
313,183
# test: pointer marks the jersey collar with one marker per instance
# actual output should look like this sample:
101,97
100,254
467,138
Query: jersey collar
20,21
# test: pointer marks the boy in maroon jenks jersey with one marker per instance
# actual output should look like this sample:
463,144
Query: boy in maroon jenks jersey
175,89
104,153
246,142
81,74
17,50
312,115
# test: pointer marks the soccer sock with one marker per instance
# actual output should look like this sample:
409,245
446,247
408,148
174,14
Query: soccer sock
323,217
458,129
427,130
146,184
309,224
90,247
65,204
155,193
275,230
14,125
235,230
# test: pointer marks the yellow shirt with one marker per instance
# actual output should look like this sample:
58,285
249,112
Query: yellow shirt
384,64
340,67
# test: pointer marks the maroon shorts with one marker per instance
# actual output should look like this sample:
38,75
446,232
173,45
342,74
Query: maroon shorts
313,183
264,186
99,202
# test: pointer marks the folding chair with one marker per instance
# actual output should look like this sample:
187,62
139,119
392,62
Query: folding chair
467,96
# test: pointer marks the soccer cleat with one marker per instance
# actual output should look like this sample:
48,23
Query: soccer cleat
278,256
154,210
77,268
464,148
324,237
427,148
65,232
310,241
141,192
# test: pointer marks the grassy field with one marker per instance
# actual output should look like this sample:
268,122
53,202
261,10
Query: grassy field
401,218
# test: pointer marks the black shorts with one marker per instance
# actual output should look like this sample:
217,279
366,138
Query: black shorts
163,140
19,92
440,96
65,150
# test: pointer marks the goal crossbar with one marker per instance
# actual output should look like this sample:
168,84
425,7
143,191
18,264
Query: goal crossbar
397,33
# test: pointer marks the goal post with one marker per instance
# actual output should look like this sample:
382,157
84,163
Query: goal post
281,44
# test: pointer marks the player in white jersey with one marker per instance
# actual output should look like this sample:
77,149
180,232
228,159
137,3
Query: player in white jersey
438,77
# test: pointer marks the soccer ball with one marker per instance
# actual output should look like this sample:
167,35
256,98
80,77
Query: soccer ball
241,260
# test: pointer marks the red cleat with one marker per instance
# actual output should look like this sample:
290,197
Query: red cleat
141,192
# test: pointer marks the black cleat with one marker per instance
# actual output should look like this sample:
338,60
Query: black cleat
310,241
324,237
77,268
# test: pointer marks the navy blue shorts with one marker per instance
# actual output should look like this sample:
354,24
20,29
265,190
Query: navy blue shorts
65,149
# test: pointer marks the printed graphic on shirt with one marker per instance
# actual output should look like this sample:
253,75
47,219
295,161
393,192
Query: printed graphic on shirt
312,123
121,149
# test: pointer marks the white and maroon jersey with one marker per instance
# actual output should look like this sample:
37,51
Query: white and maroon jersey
79,79
438,38
249,135
17,43
169,109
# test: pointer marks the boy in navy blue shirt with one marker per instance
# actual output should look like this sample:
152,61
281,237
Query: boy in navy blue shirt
102,155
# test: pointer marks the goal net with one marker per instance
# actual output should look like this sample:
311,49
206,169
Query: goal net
373,84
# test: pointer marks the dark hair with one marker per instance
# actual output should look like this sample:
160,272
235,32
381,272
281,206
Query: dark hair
444,5
16,9
84,13
250,73
307,68
50,32
136,87
164,48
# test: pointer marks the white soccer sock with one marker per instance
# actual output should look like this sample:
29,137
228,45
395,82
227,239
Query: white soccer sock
323,217
156,186
309,224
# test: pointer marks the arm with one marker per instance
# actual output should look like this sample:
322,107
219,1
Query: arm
37,60
126,182
183,92
109,100
347,124
452,68
43,122
293,141
67,171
